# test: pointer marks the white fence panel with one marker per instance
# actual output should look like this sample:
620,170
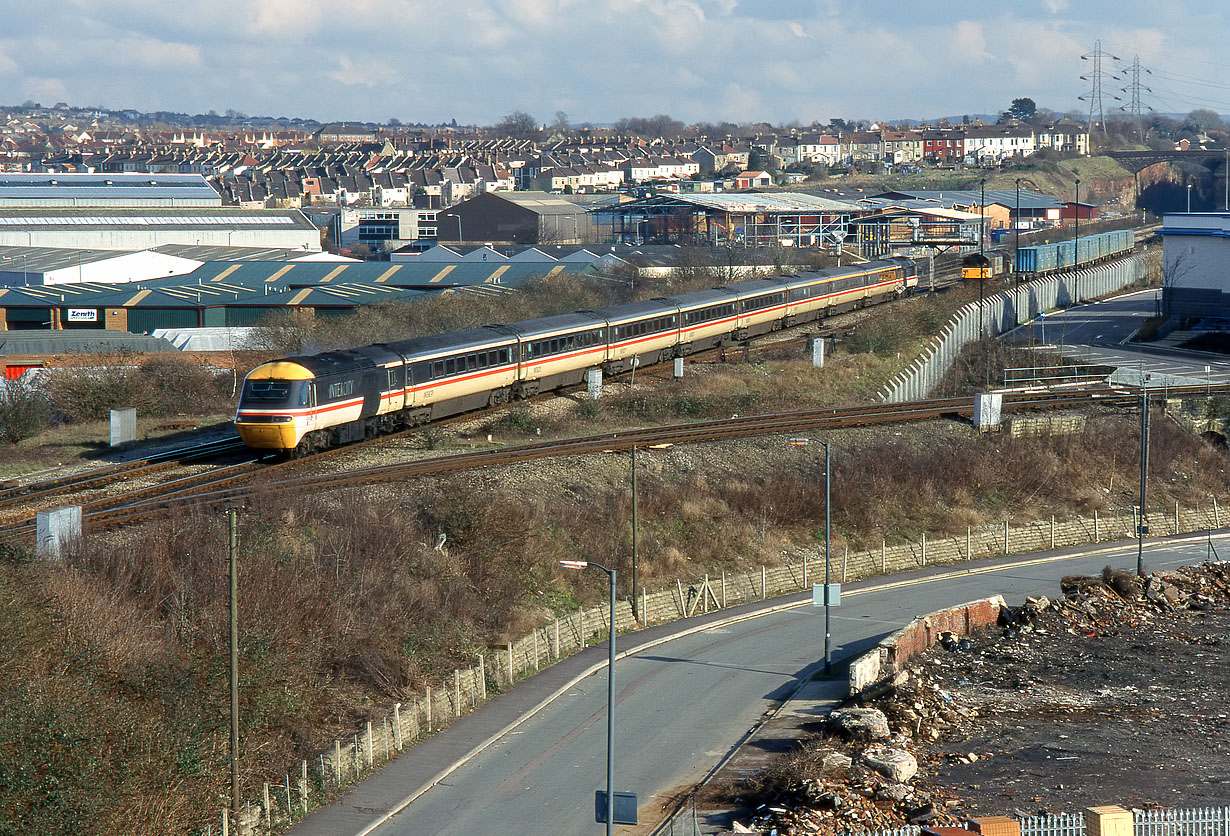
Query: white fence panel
1003,312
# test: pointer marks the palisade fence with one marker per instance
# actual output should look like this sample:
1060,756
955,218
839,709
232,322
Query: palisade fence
317,780
1193,821
1004,311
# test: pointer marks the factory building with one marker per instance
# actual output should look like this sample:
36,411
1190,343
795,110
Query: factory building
142,229
99,191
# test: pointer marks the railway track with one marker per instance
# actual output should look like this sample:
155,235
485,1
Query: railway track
17,495
231,488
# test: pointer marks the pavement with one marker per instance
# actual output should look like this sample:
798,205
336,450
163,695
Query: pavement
1099,333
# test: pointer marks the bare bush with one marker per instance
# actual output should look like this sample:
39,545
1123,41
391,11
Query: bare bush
109,381
25,410
181,384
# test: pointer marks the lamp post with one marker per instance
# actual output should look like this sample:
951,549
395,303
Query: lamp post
982,259
1141,528
1076,245
828,653
1189,198
1016,222
610,691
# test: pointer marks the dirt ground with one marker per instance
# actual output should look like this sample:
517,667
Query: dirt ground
1136,714
1116,693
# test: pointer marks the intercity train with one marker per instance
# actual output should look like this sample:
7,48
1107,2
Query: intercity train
300,405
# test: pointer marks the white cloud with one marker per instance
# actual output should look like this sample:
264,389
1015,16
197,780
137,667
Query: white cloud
597,59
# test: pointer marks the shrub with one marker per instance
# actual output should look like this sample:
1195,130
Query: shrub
89,393
179,384
25,410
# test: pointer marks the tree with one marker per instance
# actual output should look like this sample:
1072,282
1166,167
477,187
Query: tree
1022,110
517,125
560,125
1203,120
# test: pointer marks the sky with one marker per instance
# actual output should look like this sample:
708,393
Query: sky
778,61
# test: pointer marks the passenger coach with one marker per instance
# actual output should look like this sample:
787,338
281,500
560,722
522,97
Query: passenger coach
309,403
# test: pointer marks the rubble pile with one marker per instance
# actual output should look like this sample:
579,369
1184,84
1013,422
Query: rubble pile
1027,715
859,776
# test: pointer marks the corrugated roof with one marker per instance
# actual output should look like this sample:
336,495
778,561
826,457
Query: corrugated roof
105,189
43,259
78,341
153,217
970,197
766,202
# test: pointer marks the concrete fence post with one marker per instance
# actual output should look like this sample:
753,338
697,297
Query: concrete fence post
1006,548
969,555
1095,526
1216,515
883,556
265,811
511,673
1176,516
723,589
482,669
337,761
429,709
644,602
558,652
371,752
226,822
581,627
805,570
303,787
535,648
456,692
845,561
1052,531
763,580
399,742
924,549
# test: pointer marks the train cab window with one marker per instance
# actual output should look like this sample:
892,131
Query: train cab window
267,391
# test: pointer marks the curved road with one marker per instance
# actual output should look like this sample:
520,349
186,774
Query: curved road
685,703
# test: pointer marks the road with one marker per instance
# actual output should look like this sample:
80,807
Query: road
682,705
1097,334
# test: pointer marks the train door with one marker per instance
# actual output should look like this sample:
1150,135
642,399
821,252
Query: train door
307,399
371,394
396,387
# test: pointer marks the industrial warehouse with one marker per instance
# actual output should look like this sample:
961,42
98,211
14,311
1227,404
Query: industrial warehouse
150,252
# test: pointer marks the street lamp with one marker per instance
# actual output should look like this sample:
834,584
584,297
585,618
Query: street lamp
982,259
1189,198
828,652
1141,528
1076,245
1016,221
610,691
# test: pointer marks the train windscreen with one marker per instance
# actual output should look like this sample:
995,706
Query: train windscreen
260,394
